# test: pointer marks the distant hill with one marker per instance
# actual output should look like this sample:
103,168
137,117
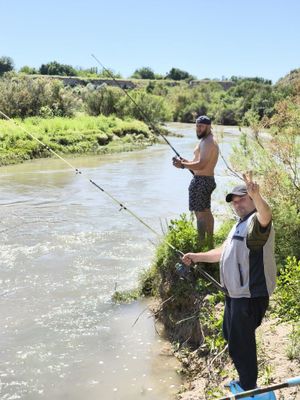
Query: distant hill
290,79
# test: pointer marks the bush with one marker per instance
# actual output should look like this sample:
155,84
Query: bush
25,96
68,135
287,295
181,299
143,73
154,107
274,159
55,68
102,100
6,65
293,349
177,75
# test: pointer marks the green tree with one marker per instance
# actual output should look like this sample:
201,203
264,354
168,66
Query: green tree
55,68
6,65
178,75
143,73
28,70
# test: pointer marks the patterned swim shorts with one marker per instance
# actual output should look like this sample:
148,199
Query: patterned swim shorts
200,190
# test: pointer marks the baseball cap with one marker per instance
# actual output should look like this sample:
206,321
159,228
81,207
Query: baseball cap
239,190
203,119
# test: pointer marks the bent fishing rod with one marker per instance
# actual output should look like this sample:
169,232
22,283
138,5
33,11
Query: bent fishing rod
147,120
115,200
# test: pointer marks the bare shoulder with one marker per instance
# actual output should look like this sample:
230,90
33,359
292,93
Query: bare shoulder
214,141
209,143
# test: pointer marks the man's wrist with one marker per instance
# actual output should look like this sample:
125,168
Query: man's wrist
182,166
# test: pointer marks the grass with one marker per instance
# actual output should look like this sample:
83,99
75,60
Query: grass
79,135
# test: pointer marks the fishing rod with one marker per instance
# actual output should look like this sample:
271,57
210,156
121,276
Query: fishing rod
149,122
141,111
250,393
115,200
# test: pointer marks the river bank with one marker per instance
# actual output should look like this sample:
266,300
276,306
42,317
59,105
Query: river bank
70,136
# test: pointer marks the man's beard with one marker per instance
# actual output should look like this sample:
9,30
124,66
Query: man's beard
201,135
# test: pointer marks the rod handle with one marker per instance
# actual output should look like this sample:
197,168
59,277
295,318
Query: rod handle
294,381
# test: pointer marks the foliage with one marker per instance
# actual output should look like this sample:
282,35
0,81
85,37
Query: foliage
187,103
183,315
275,159
55,68
94,72
6,65
287,295
74,136
249,100
293,348
143,73
101,100
292,78
28,70
126,296
251,79
149,281
222,233
154,107
211,318
24,96
178,75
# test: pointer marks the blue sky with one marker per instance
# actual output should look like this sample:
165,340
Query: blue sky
209,39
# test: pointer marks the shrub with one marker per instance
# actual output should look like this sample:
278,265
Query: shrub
287,295
143,73
274,159
24,96
102,100
177,75
154,107
293,348
55,68
6,65
181,299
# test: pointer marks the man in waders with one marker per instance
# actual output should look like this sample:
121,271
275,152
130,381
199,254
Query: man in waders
248,272
203,183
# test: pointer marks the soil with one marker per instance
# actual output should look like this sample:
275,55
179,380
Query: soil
274,366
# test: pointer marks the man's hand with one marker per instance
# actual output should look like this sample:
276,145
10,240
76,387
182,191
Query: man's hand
177,162
189,258
251,186
264,213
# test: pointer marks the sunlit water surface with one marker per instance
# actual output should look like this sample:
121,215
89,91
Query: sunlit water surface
65,248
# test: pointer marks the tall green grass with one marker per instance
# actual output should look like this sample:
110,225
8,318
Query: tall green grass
79,135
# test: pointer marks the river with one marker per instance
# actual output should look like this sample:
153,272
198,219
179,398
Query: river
65,247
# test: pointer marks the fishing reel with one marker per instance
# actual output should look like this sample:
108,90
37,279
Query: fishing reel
183,271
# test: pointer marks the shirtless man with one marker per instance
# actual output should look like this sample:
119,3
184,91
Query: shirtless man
203,183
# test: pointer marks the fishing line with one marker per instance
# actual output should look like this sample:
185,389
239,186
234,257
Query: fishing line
150,123
122,206
141,111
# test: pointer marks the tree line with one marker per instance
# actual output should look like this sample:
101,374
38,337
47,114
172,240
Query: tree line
249,101
57,69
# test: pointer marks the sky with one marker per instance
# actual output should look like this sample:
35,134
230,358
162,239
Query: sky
209,39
